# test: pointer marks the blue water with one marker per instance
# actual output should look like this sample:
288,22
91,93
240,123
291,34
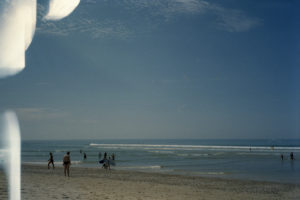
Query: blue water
239,159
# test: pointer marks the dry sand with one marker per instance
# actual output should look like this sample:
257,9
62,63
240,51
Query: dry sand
85,183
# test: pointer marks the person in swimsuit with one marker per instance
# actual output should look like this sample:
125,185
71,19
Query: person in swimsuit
67,163
50,161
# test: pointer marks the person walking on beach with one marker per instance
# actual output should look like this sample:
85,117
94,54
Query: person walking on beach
67,163
50,161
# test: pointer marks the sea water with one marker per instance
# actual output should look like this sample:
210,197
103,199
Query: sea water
238,159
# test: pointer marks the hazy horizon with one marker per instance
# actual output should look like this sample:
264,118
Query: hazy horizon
170,139
167,69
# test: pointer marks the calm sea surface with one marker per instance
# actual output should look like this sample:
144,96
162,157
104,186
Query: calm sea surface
240,159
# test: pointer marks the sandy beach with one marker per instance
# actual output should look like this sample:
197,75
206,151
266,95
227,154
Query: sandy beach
90,183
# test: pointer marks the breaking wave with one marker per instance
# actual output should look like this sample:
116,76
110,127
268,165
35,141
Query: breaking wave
193,147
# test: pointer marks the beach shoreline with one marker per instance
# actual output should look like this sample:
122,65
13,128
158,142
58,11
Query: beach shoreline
95,183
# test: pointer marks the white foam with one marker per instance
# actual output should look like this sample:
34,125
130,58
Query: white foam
141,167
163,152
59,9
193,147
75,162
160,148
36,163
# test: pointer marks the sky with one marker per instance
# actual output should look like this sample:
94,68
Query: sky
122,69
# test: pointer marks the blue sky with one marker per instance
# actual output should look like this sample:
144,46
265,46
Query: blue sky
161,69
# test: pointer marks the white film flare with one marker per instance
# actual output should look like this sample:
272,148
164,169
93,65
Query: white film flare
10,153
59,9
17,27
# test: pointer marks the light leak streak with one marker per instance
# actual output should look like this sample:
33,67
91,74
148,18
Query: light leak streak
17,27
59,9
10,153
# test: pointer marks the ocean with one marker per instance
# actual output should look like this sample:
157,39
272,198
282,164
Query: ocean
237,159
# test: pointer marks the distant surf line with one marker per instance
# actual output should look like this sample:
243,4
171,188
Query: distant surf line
197,146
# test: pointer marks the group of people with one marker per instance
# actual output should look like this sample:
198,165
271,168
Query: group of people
66,162
291,156
84,154
106,162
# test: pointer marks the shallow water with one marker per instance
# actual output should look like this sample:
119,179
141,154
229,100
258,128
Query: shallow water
241,159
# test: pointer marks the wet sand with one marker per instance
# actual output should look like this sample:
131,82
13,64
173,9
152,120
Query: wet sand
90,183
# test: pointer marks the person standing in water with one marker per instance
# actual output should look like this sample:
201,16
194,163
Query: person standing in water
50,161
67,163
113,156
292,156
106,164
84,156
